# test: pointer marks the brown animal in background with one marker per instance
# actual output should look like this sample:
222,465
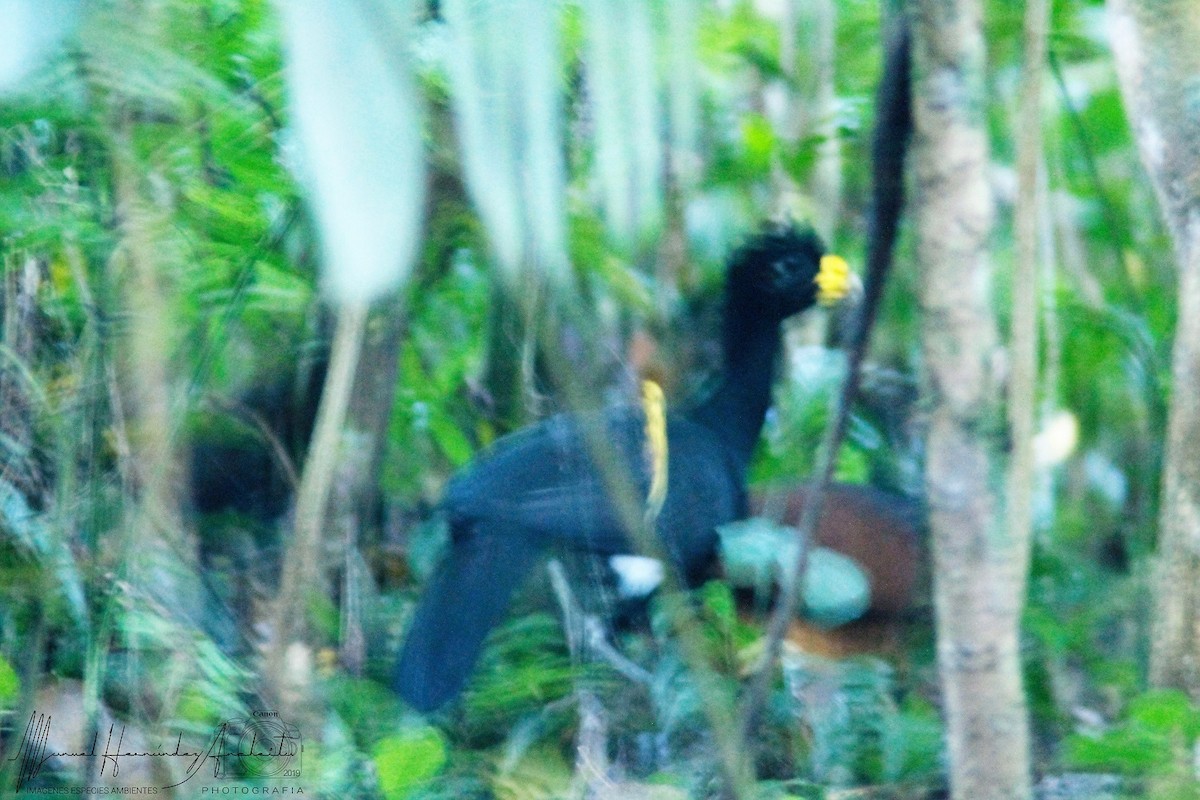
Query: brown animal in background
880,531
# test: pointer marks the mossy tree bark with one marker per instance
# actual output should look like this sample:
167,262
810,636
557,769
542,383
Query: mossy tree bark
1157,49
977,576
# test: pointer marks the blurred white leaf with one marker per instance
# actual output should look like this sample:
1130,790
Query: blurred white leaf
357,119
683,20
1057,439
29,32
749,551
623,89
507,99
836,589
756,552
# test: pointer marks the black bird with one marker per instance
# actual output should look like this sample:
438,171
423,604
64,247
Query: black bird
539,488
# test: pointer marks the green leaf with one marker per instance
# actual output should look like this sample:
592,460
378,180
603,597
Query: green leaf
10,685
1166,712
758,139
407,760
368,708
1159,725
1125,750
450,439
718,601
912,746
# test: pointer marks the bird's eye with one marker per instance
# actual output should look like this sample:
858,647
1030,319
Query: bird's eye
781,271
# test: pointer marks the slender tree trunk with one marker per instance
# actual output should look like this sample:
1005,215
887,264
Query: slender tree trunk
303,582
162,549
155,462
1022,394
20,278
827,173
356,482
1157,50
977,581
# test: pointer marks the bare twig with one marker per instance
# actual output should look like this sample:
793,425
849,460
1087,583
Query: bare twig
891,134
591,630
1022,389
591,743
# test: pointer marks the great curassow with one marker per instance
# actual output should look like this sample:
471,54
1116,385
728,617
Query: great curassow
540,488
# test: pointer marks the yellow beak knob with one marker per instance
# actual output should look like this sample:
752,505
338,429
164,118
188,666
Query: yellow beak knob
833,280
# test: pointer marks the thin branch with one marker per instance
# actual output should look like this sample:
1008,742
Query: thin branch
591,744
303,575
1022,389
263,428
892,126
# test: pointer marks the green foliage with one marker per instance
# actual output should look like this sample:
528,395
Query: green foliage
524,667
369,711
795,430
912,744
1155,738
541,774
406,761
188,98
431,429
10,685
726,634
854,731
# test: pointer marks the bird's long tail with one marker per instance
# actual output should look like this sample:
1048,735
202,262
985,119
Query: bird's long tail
466,599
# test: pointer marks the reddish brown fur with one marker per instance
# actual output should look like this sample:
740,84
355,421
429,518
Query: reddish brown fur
880,531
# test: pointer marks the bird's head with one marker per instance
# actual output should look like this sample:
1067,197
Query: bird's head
782,271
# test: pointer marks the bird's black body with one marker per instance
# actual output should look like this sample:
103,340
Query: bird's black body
541,489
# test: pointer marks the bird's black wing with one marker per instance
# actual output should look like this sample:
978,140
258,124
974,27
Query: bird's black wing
543,483
541,489
532,490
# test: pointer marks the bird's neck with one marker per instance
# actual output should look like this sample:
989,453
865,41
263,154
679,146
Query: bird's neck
736,410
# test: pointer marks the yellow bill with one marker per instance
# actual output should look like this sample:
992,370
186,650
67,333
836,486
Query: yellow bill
834,280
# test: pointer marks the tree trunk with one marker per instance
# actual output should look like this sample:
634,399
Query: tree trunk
303,581
1023,335
20,278
356,483
977,581
163,549
1157,49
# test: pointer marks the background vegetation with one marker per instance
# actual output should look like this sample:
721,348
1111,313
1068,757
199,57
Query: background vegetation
162,303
